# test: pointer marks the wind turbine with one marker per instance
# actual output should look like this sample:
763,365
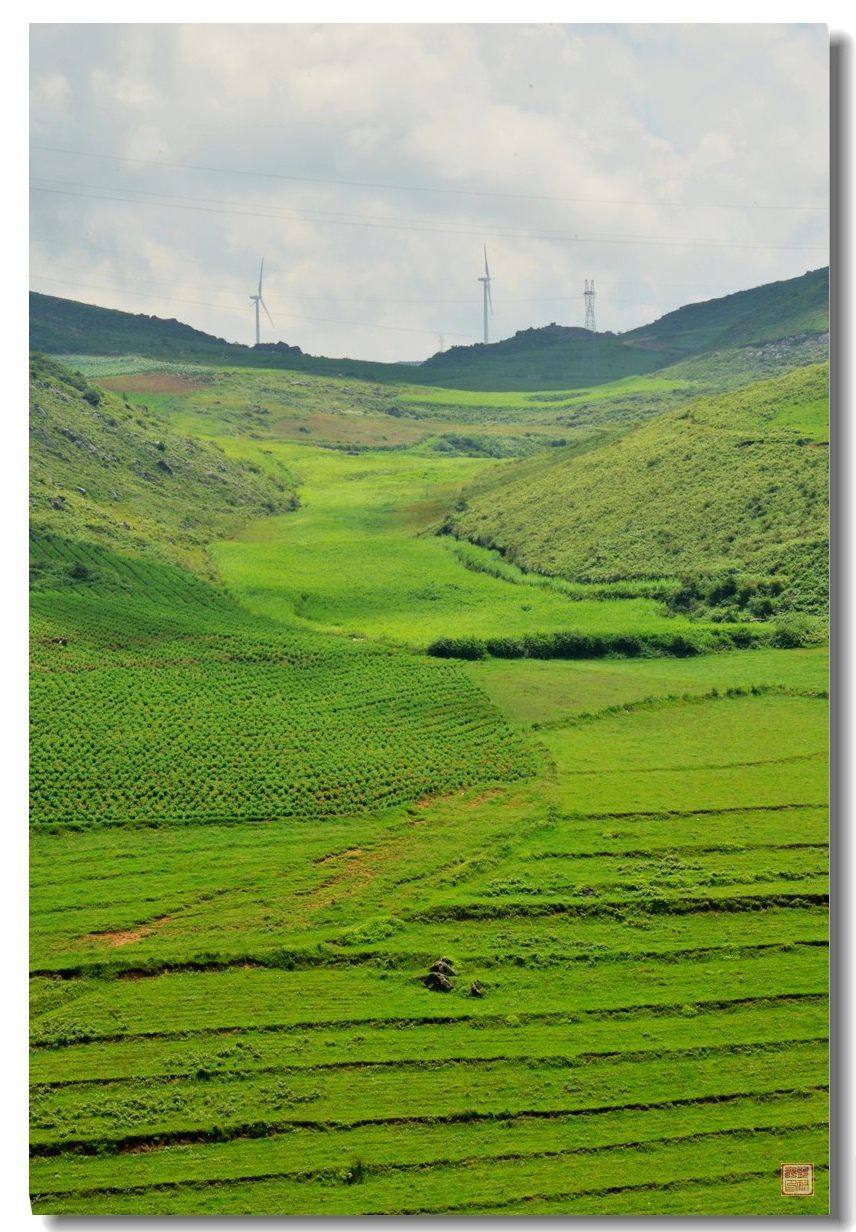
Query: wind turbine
487,299
257,299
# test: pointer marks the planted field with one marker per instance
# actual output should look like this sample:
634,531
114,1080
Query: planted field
260,815
651,980
242,727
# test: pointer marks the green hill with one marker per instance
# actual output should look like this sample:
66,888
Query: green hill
556,357
762,314
101,467
731,485
64,326
224,715
67,327
717,371
550,357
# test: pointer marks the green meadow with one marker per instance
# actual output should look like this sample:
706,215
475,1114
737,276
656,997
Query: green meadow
261,811
357,558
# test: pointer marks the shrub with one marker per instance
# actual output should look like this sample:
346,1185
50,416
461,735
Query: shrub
539,646
458,648
793,631
505,647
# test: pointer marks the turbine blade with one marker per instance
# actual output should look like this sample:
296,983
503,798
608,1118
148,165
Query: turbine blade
489,296
264,305
261,271
486,270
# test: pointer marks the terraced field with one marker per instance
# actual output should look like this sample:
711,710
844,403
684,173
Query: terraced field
235,1014
253,835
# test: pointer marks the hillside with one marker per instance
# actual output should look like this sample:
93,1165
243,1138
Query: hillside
552,357
717,371
556,356
762,314
731,484
549,357
64,327
101,467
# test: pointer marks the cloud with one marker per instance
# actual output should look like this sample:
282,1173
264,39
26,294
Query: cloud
370,163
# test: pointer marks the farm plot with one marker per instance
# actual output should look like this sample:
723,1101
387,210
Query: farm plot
256,1108
214,742
532,691
722,753
653,987
172,705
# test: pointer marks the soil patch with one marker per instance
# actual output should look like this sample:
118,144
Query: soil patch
124,936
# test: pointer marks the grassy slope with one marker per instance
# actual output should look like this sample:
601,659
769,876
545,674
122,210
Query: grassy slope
107,471
651,977
731,367
733,482
353,560
762,314
350,414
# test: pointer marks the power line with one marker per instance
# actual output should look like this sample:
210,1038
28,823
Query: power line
392,226
459,192
203,203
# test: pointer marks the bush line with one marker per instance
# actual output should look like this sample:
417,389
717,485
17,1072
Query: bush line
575,645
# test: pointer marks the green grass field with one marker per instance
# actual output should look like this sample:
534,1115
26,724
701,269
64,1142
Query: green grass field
351,560
261,812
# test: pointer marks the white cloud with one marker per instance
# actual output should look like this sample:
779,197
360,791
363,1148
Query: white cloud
390,153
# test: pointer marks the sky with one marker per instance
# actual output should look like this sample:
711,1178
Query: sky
371,165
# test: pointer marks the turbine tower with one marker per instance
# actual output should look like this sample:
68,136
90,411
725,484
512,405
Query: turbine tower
589,298
488,302
257,299
591,364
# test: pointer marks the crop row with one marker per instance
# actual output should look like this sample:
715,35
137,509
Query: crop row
242,740
263,998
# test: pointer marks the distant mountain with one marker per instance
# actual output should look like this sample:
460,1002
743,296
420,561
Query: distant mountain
67,327
562,357
763,314
550,357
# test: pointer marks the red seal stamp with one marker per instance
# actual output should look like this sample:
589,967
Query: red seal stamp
797,1180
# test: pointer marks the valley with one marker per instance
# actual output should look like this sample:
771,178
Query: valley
337,676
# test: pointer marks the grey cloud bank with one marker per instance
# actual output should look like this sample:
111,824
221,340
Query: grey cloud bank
368,164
